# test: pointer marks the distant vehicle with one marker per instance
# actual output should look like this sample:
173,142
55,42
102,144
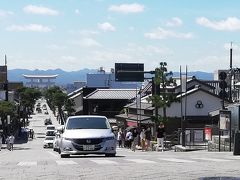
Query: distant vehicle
87,135
50,127
50,133
48,121
48,142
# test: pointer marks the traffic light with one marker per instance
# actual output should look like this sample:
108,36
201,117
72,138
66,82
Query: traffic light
223,85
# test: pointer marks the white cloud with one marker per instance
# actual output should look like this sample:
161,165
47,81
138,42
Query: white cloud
161,33
213,63
55,47
88,32
31,9
106,27
77,11
131,28
230,24
30,27
175,21
5,13
87,42
127,8
69,58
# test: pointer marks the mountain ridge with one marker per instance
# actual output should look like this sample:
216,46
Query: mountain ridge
68,77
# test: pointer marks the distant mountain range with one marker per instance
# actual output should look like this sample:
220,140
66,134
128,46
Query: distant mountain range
64,77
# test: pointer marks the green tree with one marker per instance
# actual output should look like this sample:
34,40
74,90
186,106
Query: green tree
163,79
8,108
56,98
69,104
28,97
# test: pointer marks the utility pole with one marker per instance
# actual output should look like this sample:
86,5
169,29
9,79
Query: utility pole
6,80
230,88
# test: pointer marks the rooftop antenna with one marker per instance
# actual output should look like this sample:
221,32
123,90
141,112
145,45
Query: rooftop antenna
5,60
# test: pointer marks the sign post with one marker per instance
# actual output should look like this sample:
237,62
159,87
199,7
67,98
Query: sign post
225,125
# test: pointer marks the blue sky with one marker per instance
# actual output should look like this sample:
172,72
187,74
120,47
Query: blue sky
77,34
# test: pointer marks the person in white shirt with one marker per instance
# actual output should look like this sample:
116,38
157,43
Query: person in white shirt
11,142
129,138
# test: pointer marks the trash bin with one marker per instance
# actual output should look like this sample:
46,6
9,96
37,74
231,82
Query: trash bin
236,149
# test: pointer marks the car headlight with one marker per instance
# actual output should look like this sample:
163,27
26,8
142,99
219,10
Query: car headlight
109,138
67,139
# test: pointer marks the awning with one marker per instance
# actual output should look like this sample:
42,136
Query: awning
132,123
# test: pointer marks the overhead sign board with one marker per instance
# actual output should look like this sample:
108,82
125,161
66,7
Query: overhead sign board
133,72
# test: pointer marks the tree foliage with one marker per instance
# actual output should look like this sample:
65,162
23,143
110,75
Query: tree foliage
163,79
56,98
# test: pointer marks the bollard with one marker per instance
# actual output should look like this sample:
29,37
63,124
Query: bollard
236,149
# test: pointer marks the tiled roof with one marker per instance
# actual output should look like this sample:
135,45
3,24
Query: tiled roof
112,94
145,106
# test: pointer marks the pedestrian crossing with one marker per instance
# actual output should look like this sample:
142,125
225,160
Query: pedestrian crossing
119,161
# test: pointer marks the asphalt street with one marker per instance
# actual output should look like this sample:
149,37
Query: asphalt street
32,161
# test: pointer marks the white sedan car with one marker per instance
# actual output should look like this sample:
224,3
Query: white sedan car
48,142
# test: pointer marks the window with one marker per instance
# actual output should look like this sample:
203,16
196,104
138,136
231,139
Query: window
88,123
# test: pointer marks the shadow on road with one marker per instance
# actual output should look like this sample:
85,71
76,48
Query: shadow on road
89,156
21,148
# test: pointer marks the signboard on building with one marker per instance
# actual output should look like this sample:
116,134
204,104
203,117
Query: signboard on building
224,121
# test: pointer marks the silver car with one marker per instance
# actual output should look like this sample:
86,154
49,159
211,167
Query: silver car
87,135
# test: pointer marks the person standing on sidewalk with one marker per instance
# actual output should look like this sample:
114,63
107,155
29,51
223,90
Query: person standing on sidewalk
135,139
160,136
143,139
1,141
11,142
148,138
119,138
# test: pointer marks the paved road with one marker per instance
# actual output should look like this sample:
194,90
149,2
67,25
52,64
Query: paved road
31,161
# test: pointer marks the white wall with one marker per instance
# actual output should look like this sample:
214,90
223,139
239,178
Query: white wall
209,102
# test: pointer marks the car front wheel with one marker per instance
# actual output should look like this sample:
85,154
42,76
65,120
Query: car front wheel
65,155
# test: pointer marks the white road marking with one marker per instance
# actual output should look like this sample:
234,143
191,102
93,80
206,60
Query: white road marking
27,163
53,154
103,161
66,162
142,161
176,160
3,153
232,157
213,159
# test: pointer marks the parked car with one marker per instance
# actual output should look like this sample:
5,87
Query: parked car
48,142
50,127
50,133
87,135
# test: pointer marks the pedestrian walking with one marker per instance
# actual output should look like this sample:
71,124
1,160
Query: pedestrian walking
148,138
160,136
135,139
143,139
119,138
11,142
1,141
129,138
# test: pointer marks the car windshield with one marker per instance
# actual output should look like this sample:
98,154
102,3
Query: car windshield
51,128
88,123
